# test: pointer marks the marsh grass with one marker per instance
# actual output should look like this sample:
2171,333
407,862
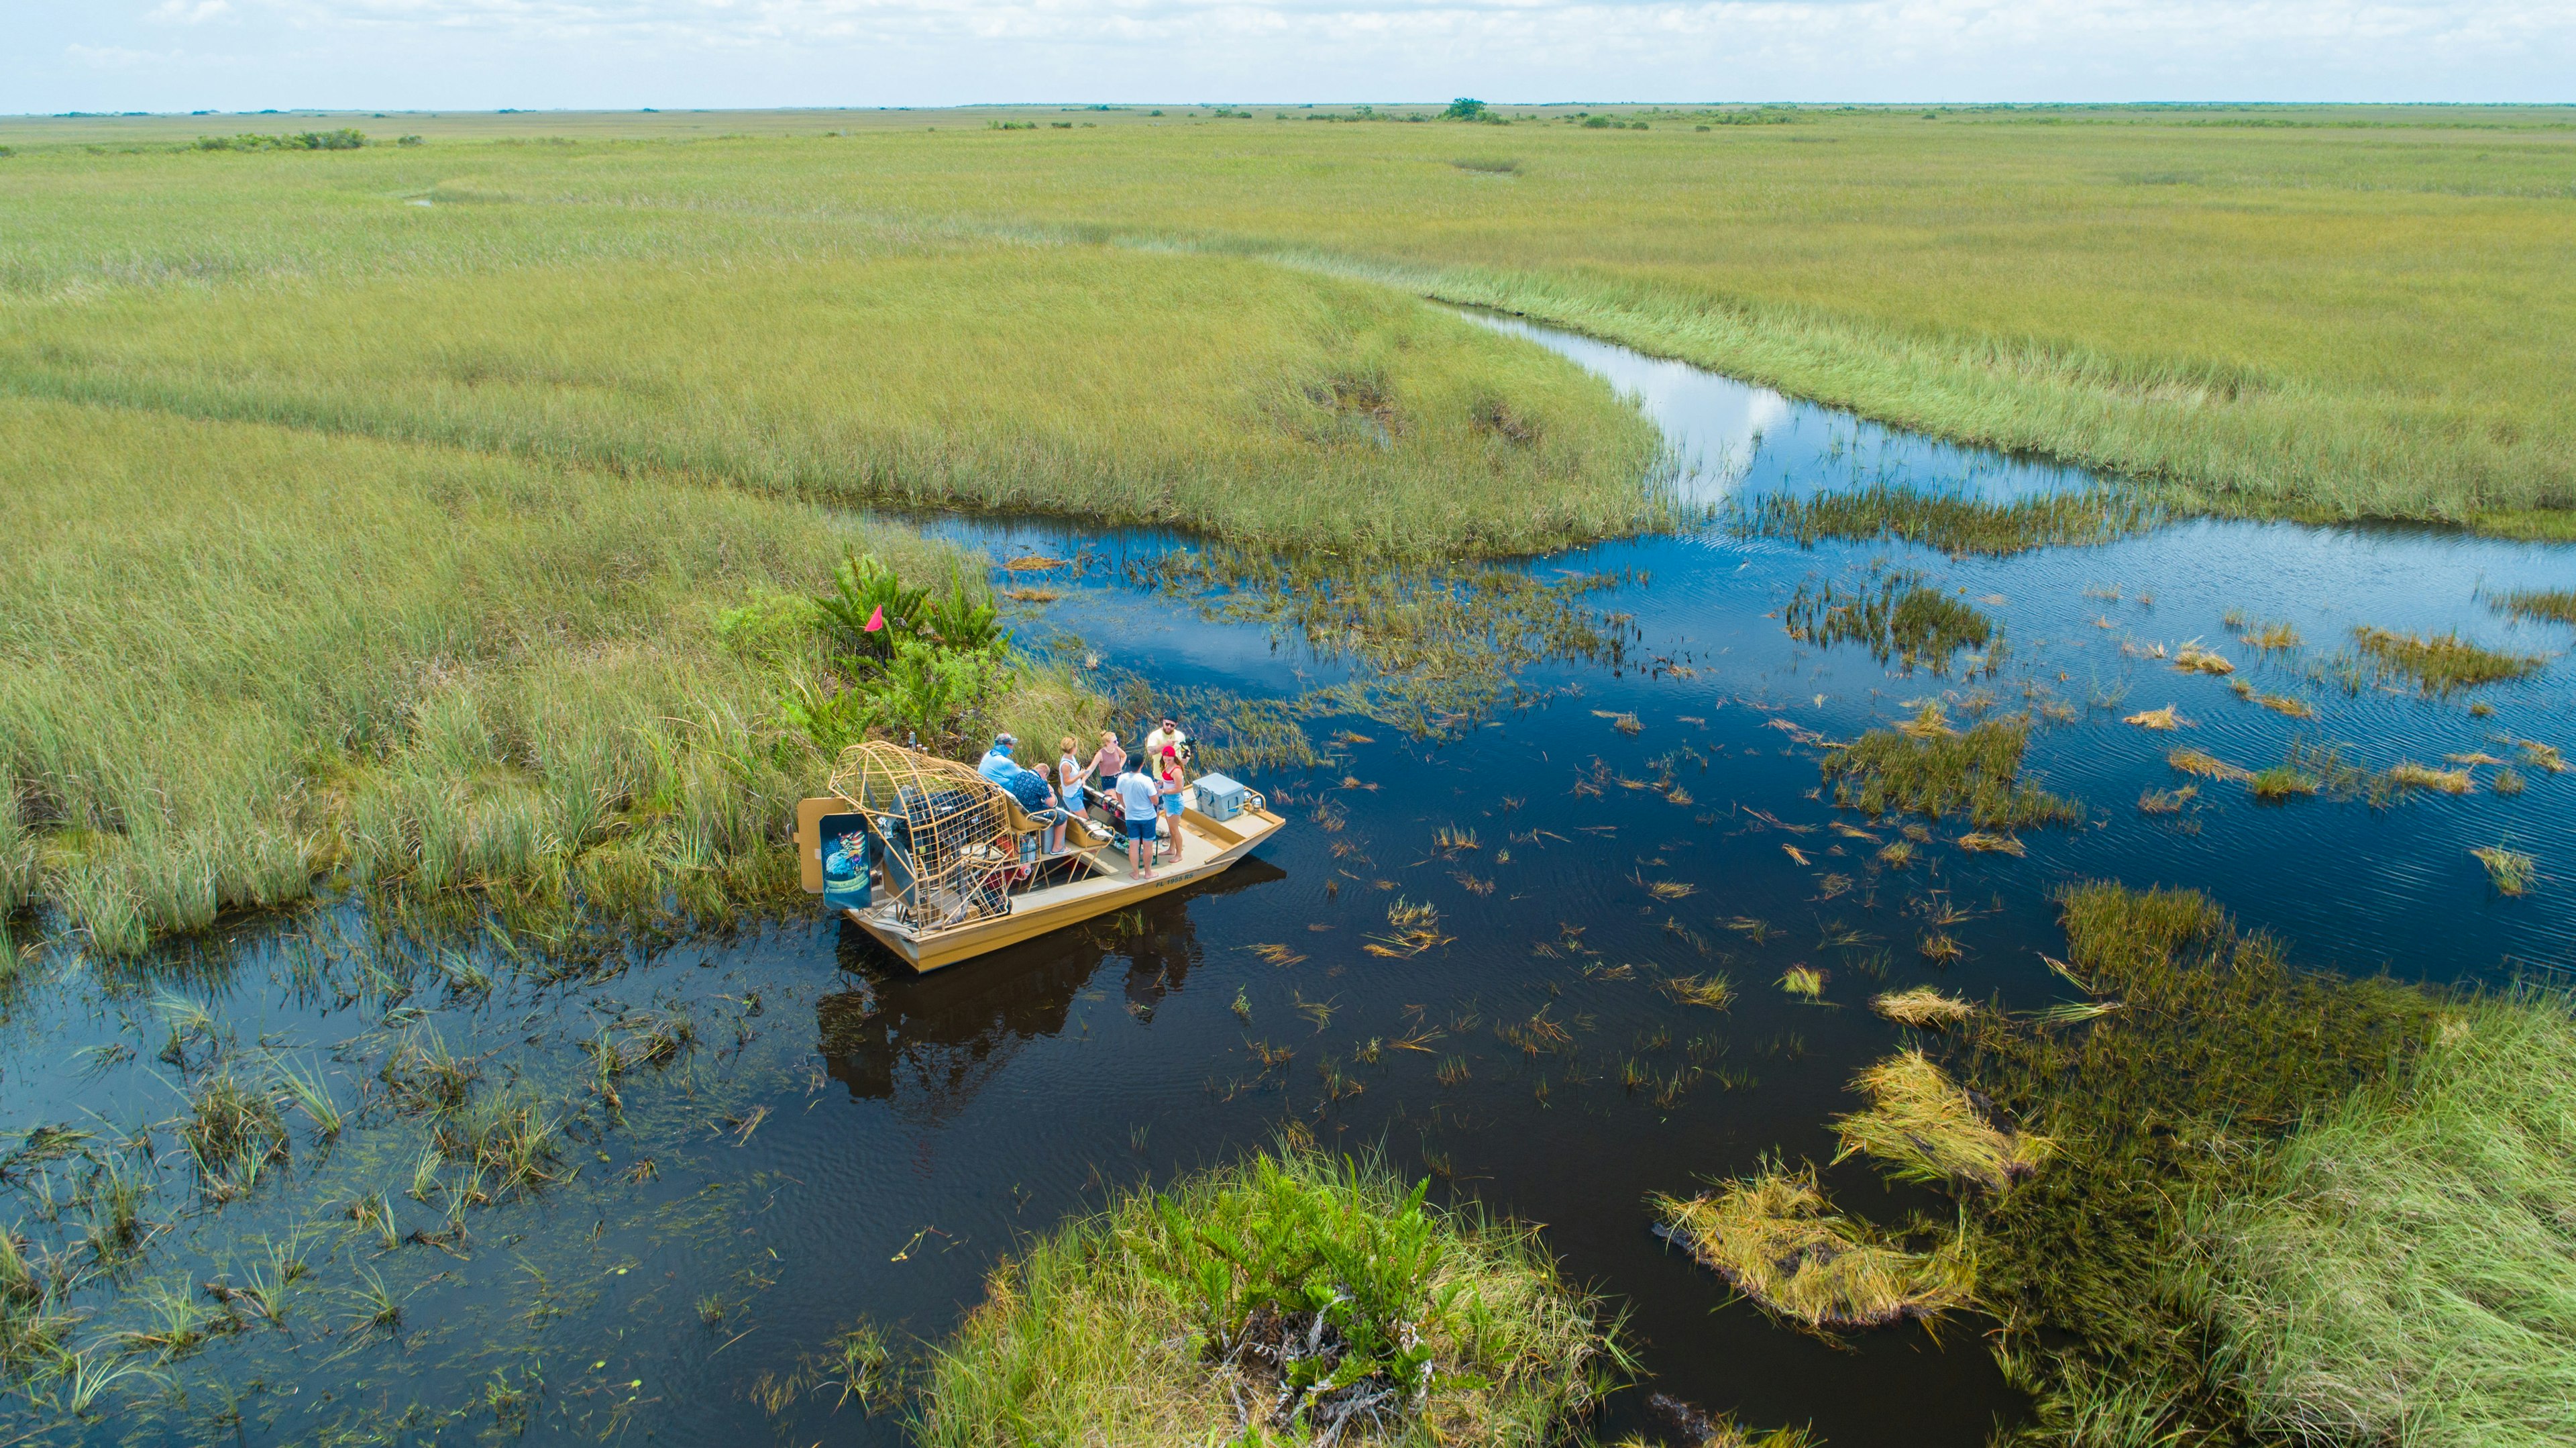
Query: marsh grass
232,1131
2557,605
2441,664
2397,1274
1918,626
1775,1238
1281,1299
2221,1049
1954,523
1976,773
1229,397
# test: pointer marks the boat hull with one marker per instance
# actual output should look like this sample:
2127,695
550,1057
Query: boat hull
1216,847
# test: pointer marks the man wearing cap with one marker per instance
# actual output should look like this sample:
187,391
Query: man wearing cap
998,766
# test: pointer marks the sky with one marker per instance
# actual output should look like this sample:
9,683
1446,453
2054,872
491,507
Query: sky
166,55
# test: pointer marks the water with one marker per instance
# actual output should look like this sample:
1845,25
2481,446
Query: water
846,1139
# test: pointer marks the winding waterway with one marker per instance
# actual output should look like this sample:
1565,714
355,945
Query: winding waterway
846,1140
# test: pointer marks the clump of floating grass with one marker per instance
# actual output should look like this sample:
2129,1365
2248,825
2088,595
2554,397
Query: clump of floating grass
1977,773
1929,722
2164,718
1981,842
2440,664
1803,981
2407,774
1714,990
2206,765
1927,1128
1413,930
2167,801
1896,854
2557,605
2506,782
1939,947
1775,1238
2511,871
2541,756
1921,1006
2282,781
1288,1299
2285,705
2269,637
2192,658
1952,522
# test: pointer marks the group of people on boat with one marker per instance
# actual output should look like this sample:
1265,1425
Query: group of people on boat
1140,791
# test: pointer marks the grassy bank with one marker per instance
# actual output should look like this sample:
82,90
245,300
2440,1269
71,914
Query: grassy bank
2356,314
2404,1277
244,658
1288,1299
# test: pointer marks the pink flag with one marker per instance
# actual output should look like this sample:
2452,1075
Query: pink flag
876,620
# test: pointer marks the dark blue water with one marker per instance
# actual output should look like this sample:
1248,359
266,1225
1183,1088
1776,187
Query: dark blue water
846,1139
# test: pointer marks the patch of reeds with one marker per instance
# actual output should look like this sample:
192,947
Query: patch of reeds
2219,1050
2442,663
2206,765
2281,781
2555,604
1901,619
2193,658
2407,774
1921,1007
1953,522
233,1129
1775,1238
1976,773
2510,871
1925,1127
1288,1298
1806,982
2164,718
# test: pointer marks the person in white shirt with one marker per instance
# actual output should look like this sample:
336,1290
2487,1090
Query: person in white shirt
1140,801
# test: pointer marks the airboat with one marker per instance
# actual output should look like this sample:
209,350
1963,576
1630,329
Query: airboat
942,865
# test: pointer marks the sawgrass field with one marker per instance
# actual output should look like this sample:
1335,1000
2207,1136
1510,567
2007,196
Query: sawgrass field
310,450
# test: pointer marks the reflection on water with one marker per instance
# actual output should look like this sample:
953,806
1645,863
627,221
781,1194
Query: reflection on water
926,1044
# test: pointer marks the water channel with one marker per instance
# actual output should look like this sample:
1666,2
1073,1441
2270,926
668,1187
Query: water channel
847,1140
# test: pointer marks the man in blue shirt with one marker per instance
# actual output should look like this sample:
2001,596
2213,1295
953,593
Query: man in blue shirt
998,766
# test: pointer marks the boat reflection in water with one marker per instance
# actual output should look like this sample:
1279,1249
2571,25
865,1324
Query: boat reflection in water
926,1043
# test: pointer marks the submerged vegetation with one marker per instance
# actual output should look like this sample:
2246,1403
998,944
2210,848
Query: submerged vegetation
1938,772
1287,1299
2219,1051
